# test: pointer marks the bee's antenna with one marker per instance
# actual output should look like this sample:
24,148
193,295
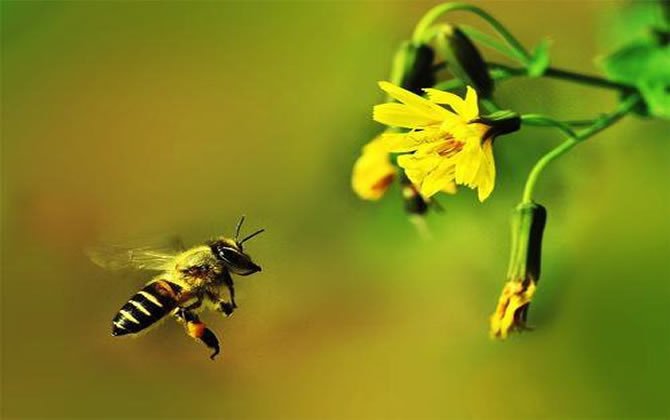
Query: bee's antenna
251,236
239,226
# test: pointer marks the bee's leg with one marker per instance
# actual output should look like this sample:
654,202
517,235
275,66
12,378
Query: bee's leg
228,307
231,290
194,305
198,330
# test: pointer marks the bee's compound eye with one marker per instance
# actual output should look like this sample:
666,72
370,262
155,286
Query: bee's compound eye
236,260
231,256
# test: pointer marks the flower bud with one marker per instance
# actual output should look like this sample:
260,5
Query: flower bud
464,60
523,273
412,67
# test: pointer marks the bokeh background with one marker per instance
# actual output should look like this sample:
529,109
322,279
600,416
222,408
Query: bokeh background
130,120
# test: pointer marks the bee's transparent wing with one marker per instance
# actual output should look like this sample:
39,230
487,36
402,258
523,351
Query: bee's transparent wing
115,257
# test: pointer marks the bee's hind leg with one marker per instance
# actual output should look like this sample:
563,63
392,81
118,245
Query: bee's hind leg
198,330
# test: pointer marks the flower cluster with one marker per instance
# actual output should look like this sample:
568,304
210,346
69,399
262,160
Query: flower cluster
438,136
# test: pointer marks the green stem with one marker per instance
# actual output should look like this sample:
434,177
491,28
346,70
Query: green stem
543,121
502,72
584,79
599,125
565,75
452,84
540,120
433,14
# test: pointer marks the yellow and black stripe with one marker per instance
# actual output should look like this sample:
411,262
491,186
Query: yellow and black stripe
147,306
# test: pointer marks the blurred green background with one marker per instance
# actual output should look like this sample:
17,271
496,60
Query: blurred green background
128,120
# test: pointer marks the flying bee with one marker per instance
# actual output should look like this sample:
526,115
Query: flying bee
189,281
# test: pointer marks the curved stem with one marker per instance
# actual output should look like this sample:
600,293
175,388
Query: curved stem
433,14
565,75
543,121
540,120
584,79
458,83
540,165
599,125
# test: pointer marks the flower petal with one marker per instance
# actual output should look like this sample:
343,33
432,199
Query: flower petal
487,172
426,163
438,179
418,167
450,188
399,115
418,104
447,98
471,111
468,162
404,142
515,296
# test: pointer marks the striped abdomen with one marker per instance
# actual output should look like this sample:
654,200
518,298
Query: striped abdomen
150,304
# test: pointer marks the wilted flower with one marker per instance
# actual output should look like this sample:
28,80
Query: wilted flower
445,146
523,274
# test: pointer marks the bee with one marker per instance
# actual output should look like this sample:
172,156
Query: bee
189,281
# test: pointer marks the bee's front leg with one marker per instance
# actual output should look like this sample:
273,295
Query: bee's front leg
222,305
198,330
228,307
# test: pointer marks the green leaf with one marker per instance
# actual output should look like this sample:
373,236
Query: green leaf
633,21
645,65
539,60
657,97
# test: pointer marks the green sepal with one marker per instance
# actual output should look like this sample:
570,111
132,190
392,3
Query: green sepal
464,60
528,221
501,122
539,60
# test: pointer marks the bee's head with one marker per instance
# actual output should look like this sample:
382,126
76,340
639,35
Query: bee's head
231,252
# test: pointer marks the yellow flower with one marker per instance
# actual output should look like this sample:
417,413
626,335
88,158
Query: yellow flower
445,146
512,308
373,172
